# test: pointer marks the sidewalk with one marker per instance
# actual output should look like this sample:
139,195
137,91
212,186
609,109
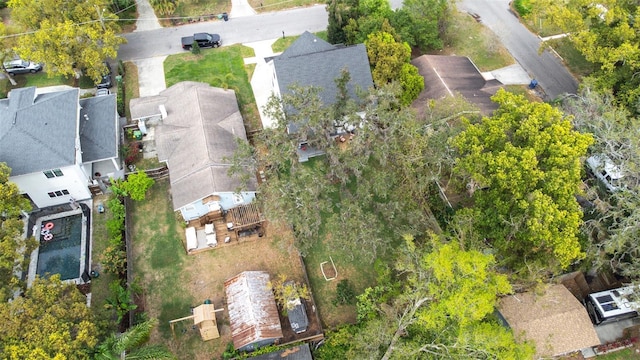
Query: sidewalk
261,80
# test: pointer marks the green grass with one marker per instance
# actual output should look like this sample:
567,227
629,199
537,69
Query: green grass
197,10
466,37
100,240
573,59
159,266
357,270
624,354
131,85
274,5
283,43
221,67
41,80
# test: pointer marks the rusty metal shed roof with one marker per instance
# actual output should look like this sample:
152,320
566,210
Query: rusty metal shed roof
253,314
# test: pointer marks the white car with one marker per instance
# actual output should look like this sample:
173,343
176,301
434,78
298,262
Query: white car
21,67
606,171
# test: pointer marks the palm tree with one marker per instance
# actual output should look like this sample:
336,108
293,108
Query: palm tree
130,345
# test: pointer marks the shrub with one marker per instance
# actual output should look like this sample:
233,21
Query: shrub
120,300
523,7
345,295
120,98
114,259
195,48
137,185
121,68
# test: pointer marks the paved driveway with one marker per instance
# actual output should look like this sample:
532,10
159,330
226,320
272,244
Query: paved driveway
552,75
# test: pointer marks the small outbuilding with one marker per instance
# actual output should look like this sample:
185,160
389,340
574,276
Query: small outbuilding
204,318
253,313
555,321
300,352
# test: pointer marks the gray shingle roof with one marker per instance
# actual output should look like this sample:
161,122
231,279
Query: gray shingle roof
311,61
200,130
98,130
38,132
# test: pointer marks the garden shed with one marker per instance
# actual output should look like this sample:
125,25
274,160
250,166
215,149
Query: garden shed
253,314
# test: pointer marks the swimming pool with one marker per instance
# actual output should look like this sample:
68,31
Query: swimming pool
63,247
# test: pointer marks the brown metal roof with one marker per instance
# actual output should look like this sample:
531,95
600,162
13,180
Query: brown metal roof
253,314
556,321
449,75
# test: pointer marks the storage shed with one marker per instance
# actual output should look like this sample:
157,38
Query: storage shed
253,314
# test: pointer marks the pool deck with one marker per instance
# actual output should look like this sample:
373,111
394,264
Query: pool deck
35,232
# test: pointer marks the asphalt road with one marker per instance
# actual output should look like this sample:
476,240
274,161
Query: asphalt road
166,41
548,69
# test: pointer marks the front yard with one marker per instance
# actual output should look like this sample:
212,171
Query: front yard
174,282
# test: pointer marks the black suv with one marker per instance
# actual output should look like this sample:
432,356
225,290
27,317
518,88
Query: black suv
105,83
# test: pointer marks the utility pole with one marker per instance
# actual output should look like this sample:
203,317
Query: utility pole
100,17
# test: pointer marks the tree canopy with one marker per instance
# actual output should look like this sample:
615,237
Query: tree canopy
524,166
613,225
606,33
67,36
51,321
12,244
437,303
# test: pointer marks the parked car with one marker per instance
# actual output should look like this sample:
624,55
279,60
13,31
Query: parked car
105,83
102,92
20,66
204,40
606,171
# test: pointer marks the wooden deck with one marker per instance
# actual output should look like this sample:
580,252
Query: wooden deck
247,226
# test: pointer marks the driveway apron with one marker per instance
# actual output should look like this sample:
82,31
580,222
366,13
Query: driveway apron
147,19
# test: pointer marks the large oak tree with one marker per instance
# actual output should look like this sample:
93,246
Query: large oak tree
13,245
525,165
67,36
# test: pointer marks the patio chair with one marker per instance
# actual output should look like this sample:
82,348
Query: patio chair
210,234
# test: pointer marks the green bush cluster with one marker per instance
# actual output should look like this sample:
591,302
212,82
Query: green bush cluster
345,295
120,86
114,258
523,7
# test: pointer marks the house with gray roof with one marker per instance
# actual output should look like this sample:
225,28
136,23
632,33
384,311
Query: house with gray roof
57,145
196,130
311,61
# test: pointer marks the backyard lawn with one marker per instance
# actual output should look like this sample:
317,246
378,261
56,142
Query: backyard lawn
174,282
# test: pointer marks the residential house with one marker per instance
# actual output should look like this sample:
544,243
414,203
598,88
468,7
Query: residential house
57,144
253,313
311,61
449,75
555,321
196,128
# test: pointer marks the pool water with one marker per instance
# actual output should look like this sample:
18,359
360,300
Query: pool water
60,252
